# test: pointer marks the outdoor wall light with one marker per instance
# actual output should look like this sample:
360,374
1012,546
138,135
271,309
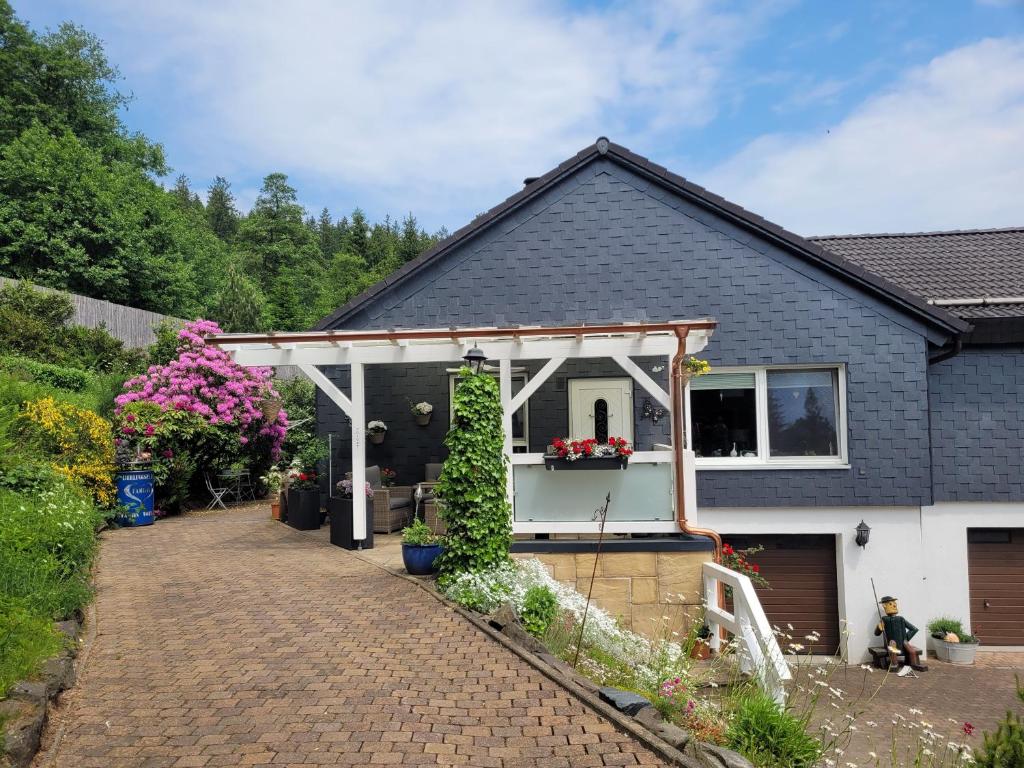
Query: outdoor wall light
863,534
650,412
475,359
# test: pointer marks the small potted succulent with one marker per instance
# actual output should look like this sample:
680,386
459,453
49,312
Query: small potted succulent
376,430
420,548
273,480
340,506
422,412
951,643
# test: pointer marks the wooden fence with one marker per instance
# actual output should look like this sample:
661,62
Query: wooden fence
132,326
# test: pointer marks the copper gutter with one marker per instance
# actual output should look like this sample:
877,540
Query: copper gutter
678,439
451,333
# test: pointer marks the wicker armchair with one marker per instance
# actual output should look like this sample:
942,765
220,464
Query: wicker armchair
392,507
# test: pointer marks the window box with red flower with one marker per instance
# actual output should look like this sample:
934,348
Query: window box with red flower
588,453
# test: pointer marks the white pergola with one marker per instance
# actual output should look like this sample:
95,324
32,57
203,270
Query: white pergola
357,349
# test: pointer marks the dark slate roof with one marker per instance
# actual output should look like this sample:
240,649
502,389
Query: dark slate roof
960,264
847,269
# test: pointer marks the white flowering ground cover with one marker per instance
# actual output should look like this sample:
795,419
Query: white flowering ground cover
820,717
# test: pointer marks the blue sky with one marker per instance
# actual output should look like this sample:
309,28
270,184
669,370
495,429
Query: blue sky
825,117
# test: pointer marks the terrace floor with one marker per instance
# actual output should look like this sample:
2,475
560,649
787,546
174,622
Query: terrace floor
226,638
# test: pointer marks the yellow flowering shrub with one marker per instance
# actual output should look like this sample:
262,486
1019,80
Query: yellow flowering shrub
80,444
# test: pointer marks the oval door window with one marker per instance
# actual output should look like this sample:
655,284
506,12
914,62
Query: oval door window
601,420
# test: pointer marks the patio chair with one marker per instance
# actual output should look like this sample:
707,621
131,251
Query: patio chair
392,507
216,493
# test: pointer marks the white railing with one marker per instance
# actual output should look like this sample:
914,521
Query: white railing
759,653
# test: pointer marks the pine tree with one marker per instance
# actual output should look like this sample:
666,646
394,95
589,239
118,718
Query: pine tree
241,306
326,234
412,239
220,209
183,195
357,240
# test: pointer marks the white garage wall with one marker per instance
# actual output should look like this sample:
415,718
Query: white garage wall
894,557
945,540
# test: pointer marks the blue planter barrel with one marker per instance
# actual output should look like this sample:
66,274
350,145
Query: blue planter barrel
135,496
419,558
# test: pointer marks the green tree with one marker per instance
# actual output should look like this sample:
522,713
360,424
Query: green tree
241,306
71,220
472,483
221,214
326,234
413,239
357,235
63,82
274,233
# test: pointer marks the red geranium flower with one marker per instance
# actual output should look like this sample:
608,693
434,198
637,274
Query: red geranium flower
968,729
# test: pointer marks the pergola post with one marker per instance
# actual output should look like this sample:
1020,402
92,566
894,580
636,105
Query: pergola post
505,390
358,416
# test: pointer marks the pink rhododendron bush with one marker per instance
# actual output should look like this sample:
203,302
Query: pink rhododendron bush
200,412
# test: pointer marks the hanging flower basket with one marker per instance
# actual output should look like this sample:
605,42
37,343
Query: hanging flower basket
376,430
588,453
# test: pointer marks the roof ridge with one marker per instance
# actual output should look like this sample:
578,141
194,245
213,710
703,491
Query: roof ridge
934,233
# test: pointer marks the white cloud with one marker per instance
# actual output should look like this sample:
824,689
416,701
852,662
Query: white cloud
433,105
942,149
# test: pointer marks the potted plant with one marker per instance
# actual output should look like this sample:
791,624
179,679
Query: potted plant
376,430
422,413
420,548
951,642
340,506
700,648
387,477
588,453
303,499
273,480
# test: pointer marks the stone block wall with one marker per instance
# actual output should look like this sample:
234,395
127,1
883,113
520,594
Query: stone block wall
653,593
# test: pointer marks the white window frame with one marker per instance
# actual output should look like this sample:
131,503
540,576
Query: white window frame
764,460
522,443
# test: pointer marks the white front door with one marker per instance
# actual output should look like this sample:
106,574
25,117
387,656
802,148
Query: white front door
601,408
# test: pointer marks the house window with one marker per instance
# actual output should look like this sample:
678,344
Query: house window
768,417
520,419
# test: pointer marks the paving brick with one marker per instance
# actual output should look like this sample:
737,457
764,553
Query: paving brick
228,639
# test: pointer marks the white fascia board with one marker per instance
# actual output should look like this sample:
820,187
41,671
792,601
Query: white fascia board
639,346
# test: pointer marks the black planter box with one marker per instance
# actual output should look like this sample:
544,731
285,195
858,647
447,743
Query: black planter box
304,508
341,523
602,462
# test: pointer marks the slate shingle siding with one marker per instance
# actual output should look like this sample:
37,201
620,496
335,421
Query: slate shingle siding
977,412
607,245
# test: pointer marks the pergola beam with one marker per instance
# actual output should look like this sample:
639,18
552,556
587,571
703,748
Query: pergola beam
534,383
644,380
327,387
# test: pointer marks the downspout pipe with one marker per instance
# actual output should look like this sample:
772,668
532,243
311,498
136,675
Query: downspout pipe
678,393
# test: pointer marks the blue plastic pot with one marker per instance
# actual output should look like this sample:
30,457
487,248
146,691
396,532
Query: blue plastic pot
419,558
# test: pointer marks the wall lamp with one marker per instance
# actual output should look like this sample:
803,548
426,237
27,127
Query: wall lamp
863,534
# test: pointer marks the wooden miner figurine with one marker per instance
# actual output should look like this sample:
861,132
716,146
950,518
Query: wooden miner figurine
898,632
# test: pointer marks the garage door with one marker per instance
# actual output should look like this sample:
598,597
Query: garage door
995,558
802,589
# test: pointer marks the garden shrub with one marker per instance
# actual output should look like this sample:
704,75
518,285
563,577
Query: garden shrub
769,736
78,442
472,482
202,411
540,608
59,376
36,324
482,591
1005,747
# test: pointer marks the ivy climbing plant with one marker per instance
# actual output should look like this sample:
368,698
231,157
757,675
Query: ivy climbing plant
472,482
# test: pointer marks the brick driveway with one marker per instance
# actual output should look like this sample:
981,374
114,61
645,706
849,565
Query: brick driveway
228,639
